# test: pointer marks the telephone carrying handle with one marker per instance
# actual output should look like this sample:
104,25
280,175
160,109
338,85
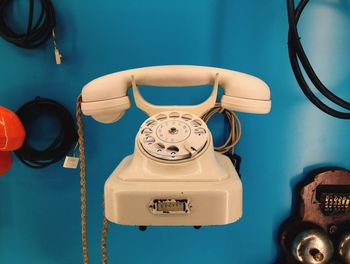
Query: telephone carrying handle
199,109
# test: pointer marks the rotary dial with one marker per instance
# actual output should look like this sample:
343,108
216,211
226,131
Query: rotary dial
173,135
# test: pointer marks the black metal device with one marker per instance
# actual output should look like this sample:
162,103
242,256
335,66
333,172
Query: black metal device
318,231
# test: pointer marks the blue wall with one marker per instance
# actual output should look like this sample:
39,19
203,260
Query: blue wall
40,209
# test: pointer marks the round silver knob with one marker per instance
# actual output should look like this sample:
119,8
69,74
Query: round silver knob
344,248
312,247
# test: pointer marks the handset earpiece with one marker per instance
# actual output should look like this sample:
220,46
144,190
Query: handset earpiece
245,93
105,98
106,111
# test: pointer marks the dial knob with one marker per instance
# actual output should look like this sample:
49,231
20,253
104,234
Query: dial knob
344,248
312,247
173,135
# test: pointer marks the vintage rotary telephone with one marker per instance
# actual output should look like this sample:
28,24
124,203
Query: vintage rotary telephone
174,176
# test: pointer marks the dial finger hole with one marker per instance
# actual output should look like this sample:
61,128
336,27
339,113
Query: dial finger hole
196,123
146,131
161,117
174,115
159,146
173,149
149,139
151,123
199,131
186,117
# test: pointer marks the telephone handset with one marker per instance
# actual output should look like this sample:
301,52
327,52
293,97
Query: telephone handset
174,176
106,99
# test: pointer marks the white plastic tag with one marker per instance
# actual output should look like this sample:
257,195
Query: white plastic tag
71,162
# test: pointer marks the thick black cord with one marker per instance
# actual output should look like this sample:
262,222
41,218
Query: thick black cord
297,54
36,35
59,148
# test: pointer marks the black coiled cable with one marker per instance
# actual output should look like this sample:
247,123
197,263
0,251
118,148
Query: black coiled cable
59,148
296,54
37,32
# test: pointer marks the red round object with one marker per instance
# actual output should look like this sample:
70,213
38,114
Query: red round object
5,162
12,132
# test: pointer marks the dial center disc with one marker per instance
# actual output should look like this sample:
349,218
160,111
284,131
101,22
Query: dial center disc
173,131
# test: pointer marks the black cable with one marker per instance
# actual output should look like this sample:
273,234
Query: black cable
59,148
36,35
297,54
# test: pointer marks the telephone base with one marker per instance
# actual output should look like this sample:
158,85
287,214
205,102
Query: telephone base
174,203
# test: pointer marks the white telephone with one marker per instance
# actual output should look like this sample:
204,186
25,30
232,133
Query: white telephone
174,176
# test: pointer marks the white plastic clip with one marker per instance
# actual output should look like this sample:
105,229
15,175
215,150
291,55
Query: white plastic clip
58,55
71,162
